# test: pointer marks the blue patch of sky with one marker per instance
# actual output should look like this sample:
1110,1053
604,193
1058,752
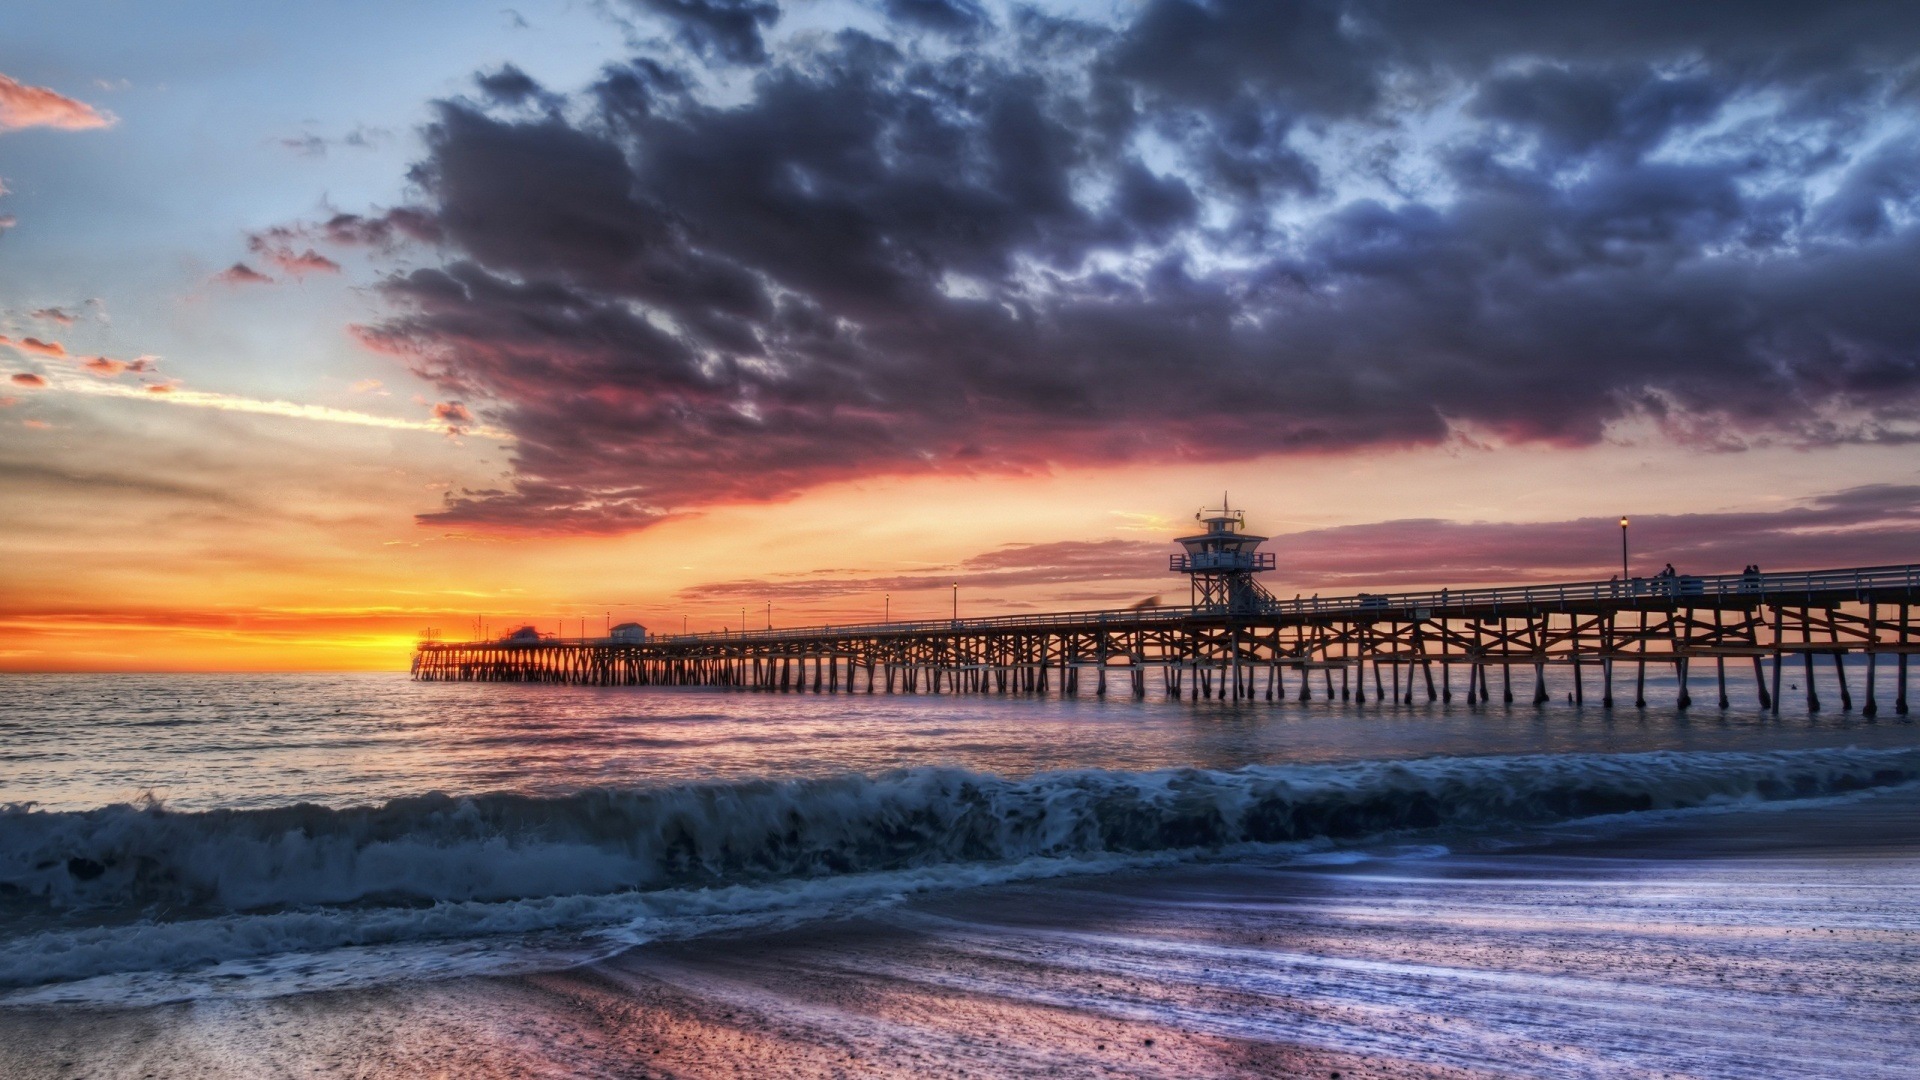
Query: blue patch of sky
207,95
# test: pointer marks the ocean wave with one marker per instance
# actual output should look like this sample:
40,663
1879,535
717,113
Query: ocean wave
264,955
439,866
506,846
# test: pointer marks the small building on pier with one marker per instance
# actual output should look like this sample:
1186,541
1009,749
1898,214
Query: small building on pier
1221,563
628,632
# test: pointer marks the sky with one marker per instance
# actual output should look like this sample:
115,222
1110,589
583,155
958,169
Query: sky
323,326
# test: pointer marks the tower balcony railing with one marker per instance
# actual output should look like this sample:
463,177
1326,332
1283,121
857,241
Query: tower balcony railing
1222,561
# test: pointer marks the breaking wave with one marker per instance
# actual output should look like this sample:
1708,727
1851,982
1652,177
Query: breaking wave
140,887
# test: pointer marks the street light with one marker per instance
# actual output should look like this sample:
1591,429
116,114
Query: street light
1623,548
886,610
956,601
769,614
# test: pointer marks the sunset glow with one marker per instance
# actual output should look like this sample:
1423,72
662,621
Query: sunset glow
550,330
938,539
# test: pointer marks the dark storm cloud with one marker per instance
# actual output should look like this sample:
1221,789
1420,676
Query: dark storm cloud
726,30
1214,231
959,17
507,85
379,230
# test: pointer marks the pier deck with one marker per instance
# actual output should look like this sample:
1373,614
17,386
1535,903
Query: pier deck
1412,642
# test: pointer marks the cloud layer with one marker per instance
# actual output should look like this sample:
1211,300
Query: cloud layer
1873,525
753,261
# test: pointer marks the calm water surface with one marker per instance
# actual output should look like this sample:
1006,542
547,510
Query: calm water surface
206,741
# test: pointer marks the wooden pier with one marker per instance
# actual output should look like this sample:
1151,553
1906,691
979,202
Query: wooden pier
1482,644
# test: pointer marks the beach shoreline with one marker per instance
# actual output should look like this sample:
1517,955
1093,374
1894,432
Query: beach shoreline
1536,953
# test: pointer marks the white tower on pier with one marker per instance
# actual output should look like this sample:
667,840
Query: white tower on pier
1221,562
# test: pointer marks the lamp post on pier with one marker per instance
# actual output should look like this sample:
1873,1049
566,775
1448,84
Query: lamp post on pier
886,610
1623,548
956,601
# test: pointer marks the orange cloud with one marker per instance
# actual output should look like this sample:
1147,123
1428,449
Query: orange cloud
38,425
23,106
454,415
242,274
103,366
53,314
302,263
35,347
276,246
8,402
28,378
366,386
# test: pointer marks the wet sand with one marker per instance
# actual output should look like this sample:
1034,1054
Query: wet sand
1759,943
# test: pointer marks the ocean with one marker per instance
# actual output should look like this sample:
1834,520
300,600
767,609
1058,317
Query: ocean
360,875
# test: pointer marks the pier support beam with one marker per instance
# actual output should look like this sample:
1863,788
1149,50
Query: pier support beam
1900,679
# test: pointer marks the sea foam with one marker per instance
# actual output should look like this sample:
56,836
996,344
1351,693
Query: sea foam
139,888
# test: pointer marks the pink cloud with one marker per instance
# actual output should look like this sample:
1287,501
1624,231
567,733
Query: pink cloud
1066,562
300,264
453,414
8,402
106,367
28,378
103,366
54,315
1869,525
23,106
35,347
376,341
1862,526
242,274
276,245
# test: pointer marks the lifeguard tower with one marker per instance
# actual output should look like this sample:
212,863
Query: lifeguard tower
1221,563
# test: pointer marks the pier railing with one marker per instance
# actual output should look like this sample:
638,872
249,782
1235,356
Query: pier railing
1758,588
